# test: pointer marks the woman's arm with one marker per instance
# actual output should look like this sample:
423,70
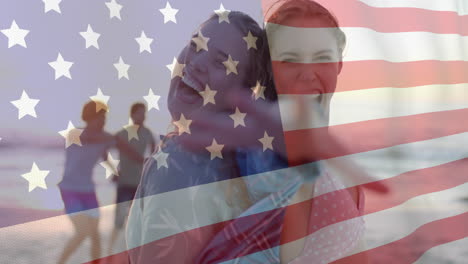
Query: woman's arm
124,147
109,165
296,224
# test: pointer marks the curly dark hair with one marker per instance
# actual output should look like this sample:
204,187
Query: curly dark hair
260,62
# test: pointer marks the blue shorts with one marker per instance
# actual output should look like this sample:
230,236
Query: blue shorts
85,202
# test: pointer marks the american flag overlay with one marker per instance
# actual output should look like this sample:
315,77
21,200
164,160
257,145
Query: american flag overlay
292,131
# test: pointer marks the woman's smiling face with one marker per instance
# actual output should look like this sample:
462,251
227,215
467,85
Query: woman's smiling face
223,66
305,60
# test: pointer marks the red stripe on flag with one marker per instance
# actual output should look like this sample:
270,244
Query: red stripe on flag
415,183
358,75
187,245
413,246
352,13
371,135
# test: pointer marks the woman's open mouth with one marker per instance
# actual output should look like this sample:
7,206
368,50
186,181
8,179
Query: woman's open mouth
192,82
187,93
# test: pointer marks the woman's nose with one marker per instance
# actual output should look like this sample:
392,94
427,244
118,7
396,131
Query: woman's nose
307,73
198,66
197,61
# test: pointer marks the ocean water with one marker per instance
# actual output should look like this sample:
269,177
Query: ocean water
16,161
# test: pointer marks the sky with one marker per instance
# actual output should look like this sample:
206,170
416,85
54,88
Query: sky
51,33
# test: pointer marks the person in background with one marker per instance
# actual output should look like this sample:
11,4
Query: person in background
141,139
77,187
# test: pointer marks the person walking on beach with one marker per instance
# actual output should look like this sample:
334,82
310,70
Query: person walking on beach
77,187
141,139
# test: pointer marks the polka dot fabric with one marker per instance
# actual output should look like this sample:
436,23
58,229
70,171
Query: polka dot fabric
335,225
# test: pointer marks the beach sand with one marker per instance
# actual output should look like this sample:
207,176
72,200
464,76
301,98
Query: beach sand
42,241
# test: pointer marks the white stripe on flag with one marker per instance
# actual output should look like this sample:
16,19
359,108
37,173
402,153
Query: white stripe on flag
367,44
389,162
370,104
407,217
458,6
455,251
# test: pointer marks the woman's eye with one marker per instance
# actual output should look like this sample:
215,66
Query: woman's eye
324,58
193,45
288,59
219,60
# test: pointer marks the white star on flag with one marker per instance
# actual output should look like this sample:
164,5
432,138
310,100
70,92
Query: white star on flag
52,5
90,37
169,13
231,65
152,100
208,95
176,68
266,141
100,97
122,69
201,41
251,41
258,91
71,135
25,105
223,14
61,67
238,118
215,150
15,35
114,9
36,178
183,125
110,165
144,42
132,130
161,159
